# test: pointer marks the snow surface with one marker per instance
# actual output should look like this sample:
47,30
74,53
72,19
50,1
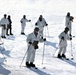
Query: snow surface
54,11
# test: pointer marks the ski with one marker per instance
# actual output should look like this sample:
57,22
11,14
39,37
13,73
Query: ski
64,58
30,67
34,67
67,58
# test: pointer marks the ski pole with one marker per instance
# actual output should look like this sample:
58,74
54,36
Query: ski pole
48,31
31,24
23,58
55,51
24,55
57,47
72,52
43,53
44,32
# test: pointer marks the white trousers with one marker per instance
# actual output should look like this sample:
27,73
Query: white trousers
30,54
41,33
3,32
62,50
22,28
70,30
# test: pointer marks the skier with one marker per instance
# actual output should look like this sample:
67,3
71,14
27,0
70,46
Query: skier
63,43
9,26
4,22
40,24
23,24
33,39
67,19
68,23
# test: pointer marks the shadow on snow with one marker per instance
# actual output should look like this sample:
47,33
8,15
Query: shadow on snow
51,44
39,72
3,71
71,62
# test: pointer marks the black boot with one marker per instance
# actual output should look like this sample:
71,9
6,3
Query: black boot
11,31
59,56
11,34
22,33
27,64
3,36
32,65
7,34
63,56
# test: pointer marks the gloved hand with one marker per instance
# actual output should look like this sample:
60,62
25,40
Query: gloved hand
41,37
36,24
70,35
46,24
21,22
62,38
44,39
29,20
70,38
30,43
35,42
36,46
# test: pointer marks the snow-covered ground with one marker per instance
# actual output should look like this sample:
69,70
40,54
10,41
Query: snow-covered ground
54,11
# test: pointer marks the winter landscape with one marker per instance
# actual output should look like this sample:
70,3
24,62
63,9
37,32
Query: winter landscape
54,12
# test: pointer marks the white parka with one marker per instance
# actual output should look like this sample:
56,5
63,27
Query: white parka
4,21
23,21
67,20
31,51
23,24
41,24
31,38
68,24
63,43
